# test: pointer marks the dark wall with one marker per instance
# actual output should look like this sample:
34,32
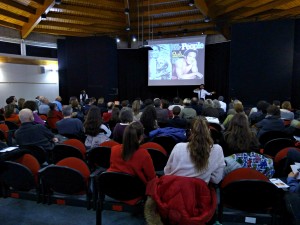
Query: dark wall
87,63
261,65
296,68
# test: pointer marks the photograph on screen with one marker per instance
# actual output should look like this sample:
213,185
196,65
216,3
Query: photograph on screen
177,61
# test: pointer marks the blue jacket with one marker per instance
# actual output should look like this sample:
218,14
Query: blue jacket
178,134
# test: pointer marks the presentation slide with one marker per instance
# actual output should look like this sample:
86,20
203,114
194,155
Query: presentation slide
177,61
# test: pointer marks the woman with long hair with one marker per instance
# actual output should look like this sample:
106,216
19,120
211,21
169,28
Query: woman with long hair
149,119
136,106
94,128
53,116
199,158
239,137
129,157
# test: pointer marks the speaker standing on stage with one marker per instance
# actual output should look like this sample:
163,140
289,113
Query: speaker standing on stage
202,92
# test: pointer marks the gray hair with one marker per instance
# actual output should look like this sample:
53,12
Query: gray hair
67,110
26,115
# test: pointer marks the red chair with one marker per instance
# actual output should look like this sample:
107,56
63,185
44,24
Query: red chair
153,145
19,179
77,144
66,183
5,130
110,143
245,192
43,117
281,169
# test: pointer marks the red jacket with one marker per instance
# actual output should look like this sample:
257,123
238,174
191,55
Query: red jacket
183,200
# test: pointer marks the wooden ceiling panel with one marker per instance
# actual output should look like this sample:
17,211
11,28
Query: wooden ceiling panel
107,17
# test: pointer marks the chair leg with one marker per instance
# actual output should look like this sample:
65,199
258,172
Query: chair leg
99,212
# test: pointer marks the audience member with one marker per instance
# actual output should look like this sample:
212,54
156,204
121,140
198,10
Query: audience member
209,110
77,108
57,101
161,114
272,122
199,157
114,119
32,105
130,158
196,105
31,133
222,103
149,119
96,132
13,100
126,117
176,120
68,125
237,108
54,115
101,105
20,103
239,137
286,111
44,106
260,114
188,112
107,115
136,106
222,113
10,114
176,102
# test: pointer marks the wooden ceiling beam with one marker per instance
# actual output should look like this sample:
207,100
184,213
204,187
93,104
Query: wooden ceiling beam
233,7
101,3
13,16
36,18
265,7
40,2
19,6
58,17
201,5
10,25
62,32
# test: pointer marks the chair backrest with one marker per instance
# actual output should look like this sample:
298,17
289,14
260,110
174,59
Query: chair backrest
247,189
153,145
120,186
110,143
61,151
37,151
5,129
167,142
270,135
280,160
99,157
20,175
217,126
159,159
77,144
273,146
43,117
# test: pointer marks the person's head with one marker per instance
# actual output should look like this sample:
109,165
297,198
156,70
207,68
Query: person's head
110,105
194,101
58,98
9,110
221,98
176,100
273,111
147,102
149,117
11,99
20,103
238,135
115,114
74,102
136,106
93,121
176,110
238,107
125,103
286,105
190,56
164,103
30,104
216,104
276,103
157,102
83,92
126,115
187,102
262,106
100,101
52,106
132,137
200,143
201,86
67,110
208,103
26,115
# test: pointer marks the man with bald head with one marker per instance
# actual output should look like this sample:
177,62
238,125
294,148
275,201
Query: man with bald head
31,133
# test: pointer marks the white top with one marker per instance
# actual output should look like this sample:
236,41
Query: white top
202,93
223,105
180,164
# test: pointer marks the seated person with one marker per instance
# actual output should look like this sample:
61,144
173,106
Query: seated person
10,114
272,122
199,158
260,114
30,133
32,105
130,158
176,121
209,110
69,125
149,119
237,108
126,117
53,116
293,156
285,111
44,106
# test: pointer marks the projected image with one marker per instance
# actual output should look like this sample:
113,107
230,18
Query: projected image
177,61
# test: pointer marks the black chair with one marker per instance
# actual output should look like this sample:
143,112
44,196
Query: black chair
99,157
217,126
272,147
37,151
120,187
19,179
167,142
246,192
159,159
66,183
270,135
62,151
11,125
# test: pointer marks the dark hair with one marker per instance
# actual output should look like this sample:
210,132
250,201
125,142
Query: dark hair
115,114
93,121
131,139
273,111
176,110
176,100
149,117
238,136
262,106
126,115
52,109
21,103
157,102
9,110
10,99
30,104
200,143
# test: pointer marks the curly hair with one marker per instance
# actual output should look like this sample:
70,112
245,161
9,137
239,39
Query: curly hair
200,143
239,136
93,121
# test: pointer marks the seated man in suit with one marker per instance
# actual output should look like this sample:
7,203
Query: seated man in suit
68,125
31,133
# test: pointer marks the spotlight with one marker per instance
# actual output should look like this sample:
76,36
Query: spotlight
206,19
126,11
118,40
134,39
57,2
127,28
191,3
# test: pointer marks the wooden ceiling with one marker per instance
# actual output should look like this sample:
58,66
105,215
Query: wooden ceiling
147,19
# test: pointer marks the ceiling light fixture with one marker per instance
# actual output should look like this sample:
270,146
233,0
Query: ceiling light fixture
191,3
57,2
127,28
206,19
126,11
44,16
118,40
